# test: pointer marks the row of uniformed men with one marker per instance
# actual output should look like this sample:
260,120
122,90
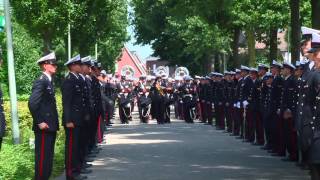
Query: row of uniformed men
278,109
81,118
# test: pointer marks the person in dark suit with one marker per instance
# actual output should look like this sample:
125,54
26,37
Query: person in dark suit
288,108
229,99
253,117
244,88
275,121
144,101
311,120
125,99
72,117
189,100
43,108
303,109
260,86
266,109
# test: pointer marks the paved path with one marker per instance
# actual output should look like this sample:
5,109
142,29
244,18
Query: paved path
180,151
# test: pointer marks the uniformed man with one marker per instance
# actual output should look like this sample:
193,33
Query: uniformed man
144,101
244,89
311,129
237,111
219,102
260,84
253,118
168,100
97,133
229,100
72,117
266,109
189,100
276,101
288,108
43,108
87,109
158,101
125,99
303,110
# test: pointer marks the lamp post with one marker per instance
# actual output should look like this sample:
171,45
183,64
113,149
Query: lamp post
12,79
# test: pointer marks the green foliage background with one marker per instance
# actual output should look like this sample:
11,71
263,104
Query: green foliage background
17,161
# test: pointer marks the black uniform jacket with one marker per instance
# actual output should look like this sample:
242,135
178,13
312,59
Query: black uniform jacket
72,100
42,104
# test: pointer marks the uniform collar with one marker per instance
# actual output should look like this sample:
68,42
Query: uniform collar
75,75
48,75
311,64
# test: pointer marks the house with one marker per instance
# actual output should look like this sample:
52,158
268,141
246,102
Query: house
130,64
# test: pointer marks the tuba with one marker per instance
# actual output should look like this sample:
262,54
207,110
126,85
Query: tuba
181,72
162,71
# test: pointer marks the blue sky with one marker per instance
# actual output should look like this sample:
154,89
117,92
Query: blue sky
143,51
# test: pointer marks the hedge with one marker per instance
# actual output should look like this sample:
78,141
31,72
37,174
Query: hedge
17,161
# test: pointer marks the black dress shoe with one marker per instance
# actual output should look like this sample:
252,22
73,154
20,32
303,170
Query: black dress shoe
277,154
86,165
80,177
85,171
89,160
286,160
266,147
91,156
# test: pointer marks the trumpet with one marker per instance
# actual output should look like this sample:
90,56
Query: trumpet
160,90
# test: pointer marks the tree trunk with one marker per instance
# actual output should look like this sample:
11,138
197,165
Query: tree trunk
315,14
251,47
46,43
207,64
295,30
234,59
273,43
216,62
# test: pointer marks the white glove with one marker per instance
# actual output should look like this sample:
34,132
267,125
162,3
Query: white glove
245,103
238,105
235,105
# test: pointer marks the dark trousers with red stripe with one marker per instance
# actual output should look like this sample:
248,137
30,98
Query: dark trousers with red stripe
290,136
229,119
258,126
72,152
249,134
203,112
238,125
220,116
209,113
84,143
44,152
279,136
93,128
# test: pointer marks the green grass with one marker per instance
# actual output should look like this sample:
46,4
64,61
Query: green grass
17,161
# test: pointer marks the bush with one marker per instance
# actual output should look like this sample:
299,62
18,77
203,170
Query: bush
17,161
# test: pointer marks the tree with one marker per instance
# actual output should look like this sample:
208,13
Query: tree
103,22
315,15
182,32
44,19
295,29
26,52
